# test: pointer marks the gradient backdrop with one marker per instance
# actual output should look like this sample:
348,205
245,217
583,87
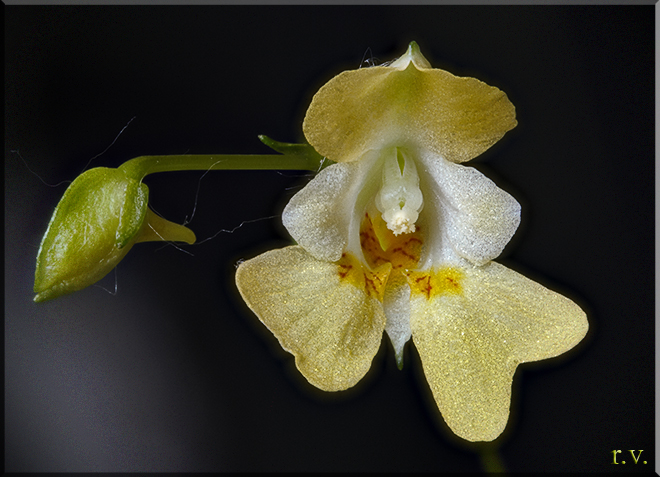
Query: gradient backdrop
173,373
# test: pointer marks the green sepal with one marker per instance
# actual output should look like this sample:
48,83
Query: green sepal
80,245
132,213
292,149
102,214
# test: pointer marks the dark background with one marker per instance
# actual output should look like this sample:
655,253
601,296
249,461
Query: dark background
173,373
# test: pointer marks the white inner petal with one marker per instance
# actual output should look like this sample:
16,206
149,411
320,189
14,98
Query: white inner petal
399,199
468,215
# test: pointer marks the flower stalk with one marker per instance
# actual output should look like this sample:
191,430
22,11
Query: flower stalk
104,212
299,157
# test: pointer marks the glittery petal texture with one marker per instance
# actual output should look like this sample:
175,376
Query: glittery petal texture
331,327
471,343
318,216
478,217
370,108
397,311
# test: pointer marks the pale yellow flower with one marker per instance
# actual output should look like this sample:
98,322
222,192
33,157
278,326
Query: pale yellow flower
399,237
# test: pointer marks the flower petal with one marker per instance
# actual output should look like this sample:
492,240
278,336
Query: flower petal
396,305
330,325
471,340
321,216
477,218
371,108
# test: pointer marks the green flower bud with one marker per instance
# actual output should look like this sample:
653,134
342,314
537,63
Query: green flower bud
102,214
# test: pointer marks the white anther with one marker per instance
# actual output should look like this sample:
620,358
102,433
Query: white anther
401,222
399,199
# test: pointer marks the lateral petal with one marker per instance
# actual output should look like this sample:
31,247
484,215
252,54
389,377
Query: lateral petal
472,339
331,325
471,214
321,216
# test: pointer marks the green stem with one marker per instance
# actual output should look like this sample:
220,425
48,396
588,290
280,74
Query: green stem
490,459
143,165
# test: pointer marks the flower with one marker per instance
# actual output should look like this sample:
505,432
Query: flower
397,236
102,214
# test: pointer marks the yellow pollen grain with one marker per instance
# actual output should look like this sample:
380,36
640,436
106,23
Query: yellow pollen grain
438,281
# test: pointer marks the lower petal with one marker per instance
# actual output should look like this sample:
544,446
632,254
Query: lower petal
472,336
396,304
317,312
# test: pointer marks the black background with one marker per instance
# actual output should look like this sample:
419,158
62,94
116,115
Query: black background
173,373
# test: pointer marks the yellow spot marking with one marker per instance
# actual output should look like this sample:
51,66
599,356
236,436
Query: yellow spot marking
372,282
439,281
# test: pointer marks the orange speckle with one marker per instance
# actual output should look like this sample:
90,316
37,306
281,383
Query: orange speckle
381,246
373,282
387,256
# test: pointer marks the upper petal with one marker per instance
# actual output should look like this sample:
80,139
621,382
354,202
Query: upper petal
330,325
471,339
406,104
464,210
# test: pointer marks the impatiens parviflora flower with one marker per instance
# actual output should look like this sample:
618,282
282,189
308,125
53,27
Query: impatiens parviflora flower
399,237
102,214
